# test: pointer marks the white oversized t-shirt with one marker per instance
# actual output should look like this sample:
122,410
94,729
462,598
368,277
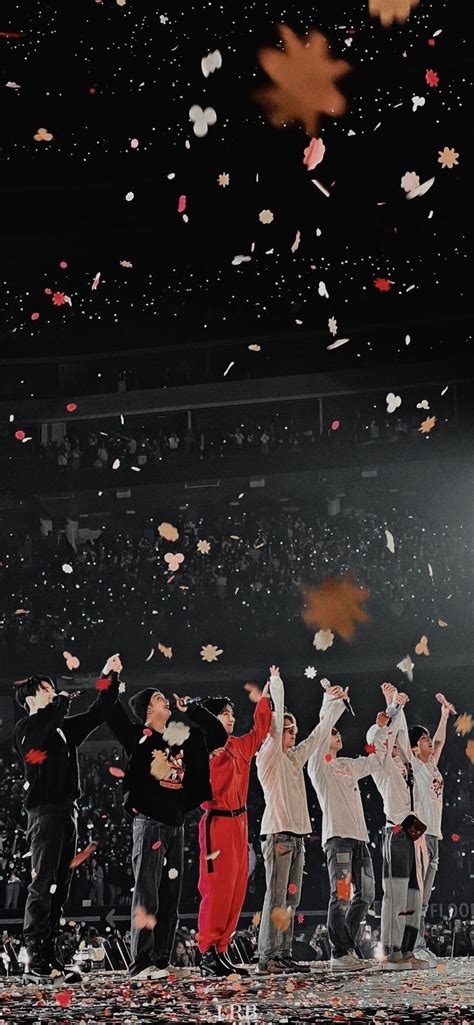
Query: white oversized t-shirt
429,784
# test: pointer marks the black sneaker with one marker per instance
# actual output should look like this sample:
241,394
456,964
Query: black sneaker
235,969
42,972
212,967
295,966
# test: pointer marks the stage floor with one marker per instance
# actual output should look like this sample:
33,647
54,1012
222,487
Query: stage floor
439,996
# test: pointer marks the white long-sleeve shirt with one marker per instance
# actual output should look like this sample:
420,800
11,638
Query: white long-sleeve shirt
391,778
281,775
336,782
428,784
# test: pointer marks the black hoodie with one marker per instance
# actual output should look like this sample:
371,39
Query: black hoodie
47,743
183,766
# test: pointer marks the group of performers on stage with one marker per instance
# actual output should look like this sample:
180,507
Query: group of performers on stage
180,759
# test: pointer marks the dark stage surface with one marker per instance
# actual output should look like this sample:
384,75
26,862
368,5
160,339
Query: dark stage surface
439,996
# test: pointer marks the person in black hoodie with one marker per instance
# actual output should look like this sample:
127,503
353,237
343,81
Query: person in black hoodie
167,775
47,742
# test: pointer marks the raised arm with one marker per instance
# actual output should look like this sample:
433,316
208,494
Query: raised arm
215,734
366,766
439,738
78,727
250,742
316,745
39,727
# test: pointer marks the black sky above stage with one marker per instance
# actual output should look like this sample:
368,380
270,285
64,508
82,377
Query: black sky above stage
120,226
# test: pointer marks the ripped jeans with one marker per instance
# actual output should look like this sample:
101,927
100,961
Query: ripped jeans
351,880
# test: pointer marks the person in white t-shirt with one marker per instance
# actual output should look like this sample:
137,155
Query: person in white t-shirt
344,838
430,786
286,819
401,878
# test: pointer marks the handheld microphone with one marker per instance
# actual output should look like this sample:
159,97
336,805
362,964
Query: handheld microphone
325,684
443,701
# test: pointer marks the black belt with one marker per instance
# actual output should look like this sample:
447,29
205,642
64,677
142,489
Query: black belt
227,814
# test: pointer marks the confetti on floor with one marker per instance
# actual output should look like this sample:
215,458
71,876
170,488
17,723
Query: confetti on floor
439,996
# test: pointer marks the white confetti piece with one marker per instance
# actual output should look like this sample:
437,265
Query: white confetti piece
231,364
445,390
321,189
240,259
116,464
421,189
173,873
211,63
406,666
129,196
430,570
296,242
322,290
337,343
67,568
390,541
310,672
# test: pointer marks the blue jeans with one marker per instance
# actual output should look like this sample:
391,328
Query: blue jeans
154,891
284,862
351,880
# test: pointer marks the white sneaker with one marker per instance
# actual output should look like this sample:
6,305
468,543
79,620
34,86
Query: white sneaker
346,963
424,954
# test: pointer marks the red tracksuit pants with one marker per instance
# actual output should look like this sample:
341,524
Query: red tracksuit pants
223,881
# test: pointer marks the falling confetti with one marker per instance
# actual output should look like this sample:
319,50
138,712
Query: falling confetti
303,81
336,606
210,653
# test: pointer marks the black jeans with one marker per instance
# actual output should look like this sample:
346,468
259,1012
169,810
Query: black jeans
350,870
52,838
155,891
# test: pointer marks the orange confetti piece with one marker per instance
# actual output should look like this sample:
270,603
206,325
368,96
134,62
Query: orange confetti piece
82,855
336,606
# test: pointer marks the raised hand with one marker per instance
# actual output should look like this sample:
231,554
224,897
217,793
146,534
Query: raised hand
382,719
113,665
254,691
402,699
181,703
388,691
274,671
338,692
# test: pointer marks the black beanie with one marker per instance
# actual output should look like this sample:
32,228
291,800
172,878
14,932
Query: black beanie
415,732
139,702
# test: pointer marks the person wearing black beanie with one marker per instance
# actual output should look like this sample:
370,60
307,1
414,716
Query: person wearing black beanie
167,775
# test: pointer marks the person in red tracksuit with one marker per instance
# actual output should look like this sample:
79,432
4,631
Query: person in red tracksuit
223,831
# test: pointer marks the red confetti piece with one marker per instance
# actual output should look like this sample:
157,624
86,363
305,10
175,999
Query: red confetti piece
63,998
156,846
71,407
116,772
147,732
181,204
397,828
335,425
82,855
58,299
103,683
292,888
300,918
92,90
328,758
432,78
370,748
63,264
382,284
35,757
455,837
48,291
11,35
431,42
35,316
19,435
